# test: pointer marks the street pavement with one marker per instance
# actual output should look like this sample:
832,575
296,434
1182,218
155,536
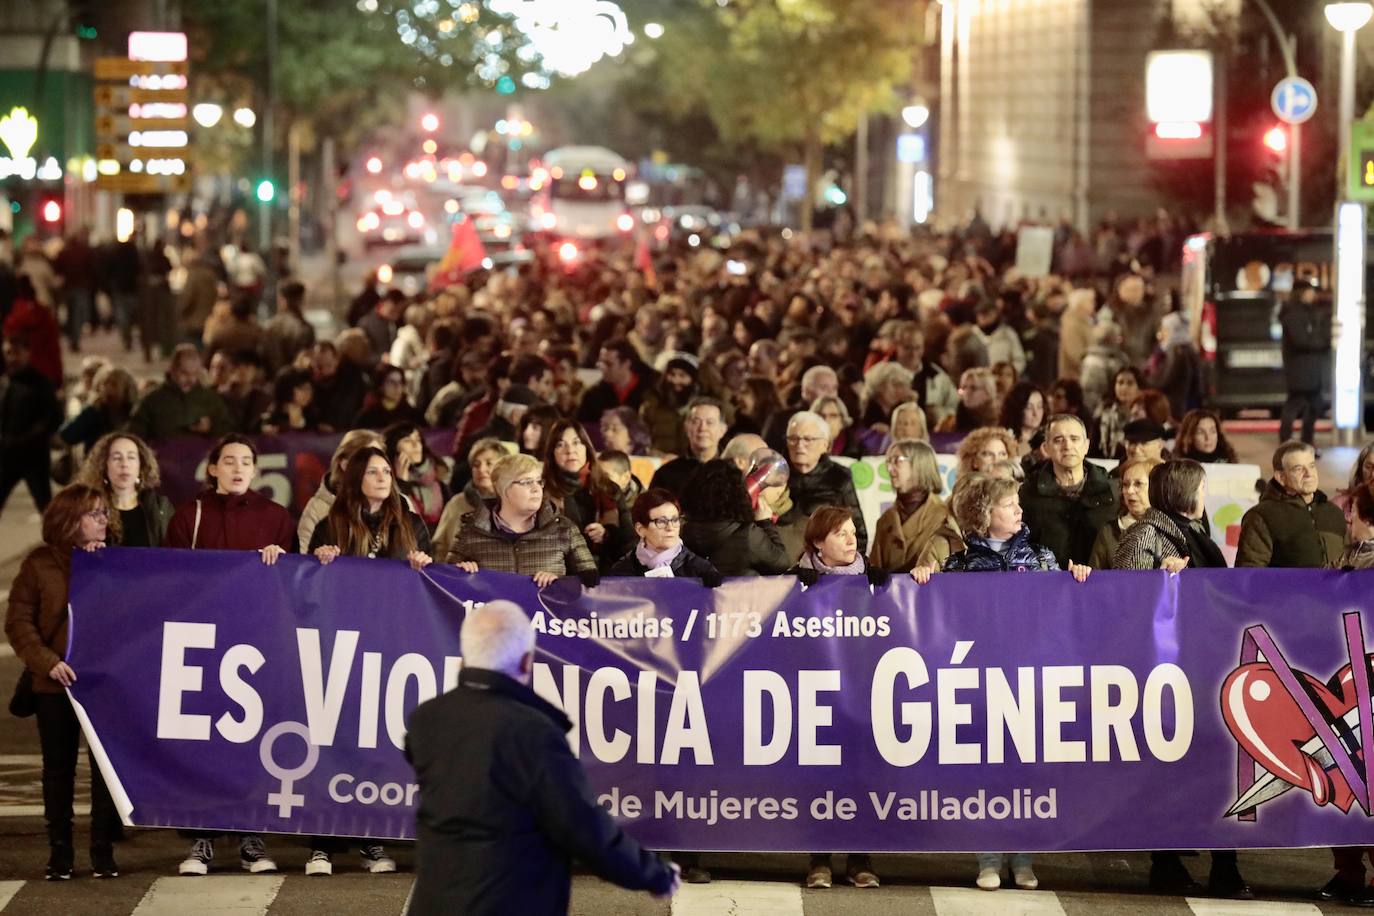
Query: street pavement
747,885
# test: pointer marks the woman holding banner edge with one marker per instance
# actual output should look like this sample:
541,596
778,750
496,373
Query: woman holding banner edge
832,548
230,515
36,625
368,519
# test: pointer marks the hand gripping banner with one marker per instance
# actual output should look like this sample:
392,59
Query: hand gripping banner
980,712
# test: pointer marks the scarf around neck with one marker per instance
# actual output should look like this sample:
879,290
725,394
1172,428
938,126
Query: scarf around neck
812,560
656,559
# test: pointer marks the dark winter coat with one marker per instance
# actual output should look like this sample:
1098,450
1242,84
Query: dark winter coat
1017,555
739,548
29,415
324,535
1067,526
168,411
505,807
1306,346
1283,531
1154,538
553,545
686,565
827,484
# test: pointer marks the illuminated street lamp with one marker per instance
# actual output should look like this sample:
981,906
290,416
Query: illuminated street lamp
1347,330
653,30
916,114
429,122
245,118
207,114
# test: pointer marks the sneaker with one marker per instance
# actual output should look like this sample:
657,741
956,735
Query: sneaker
1025,878
376,861
989,879
819,876
59,864
695,874
198,861
859,872
319,864
253,857
103,863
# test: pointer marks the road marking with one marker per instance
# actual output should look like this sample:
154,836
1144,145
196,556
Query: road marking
213,895
738,898
7,891
1203,906
972,901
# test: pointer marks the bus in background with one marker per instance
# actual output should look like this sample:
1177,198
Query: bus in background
1232,288
580,200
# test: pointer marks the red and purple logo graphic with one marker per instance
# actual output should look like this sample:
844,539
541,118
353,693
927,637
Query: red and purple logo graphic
1295,731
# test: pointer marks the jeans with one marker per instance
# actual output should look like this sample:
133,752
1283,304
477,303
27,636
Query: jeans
1306,404
124,306
995,859
59,734
80,309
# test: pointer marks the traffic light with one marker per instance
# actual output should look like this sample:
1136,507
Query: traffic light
50,211
1276,140
266,191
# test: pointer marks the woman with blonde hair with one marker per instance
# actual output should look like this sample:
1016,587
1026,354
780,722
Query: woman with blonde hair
482,457
122,468
916,529
983,448
523,533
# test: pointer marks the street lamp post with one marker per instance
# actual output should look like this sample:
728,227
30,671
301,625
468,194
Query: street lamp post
1347,330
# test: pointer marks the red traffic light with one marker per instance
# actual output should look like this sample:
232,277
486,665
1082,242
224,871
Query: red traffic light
51,211
1276,140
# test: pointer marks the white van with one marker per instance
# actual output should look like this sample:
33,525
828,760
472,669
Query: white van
581,196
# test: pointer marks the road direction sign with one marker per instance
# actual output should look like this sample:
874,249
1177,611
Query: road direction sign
136,183
121,68
117,127
121,97
1294,100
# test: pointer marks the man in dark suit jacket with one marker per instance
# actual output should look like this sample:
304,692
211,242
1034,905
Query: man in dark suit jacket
504,806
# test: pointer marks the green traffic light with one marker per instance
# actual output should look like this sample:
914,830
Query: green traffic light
266,192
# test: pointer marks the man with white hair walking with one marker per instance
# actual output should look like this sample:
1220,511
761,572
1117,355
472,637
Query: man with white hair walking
504,806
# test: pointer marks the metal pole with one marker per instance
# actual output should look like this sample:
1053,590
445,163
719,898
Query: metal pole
293,206
1295,176
1219,148
1347,113
265,210
861,172
331,210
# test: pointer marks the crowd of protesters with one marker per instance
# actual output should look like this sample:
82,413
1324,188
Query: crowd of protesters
551,385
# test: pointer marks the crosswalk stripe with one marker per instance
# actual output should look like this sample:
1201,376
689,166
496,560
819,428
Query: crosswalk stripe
7,891
212,895
1202,906
971,901
738,898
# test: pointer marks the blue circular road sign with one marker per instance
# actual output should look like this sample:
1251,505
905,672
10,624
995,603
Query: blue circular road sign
1294,100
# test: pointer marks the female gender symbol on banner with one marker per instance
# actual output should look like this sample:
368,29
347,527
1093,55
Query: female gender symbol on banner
285,799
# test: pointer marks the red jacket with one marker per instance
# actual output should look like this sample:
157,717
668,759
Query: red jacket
36,322
247,522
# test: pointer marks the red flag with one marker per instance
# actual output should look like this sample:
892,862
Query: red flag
465,254
644,261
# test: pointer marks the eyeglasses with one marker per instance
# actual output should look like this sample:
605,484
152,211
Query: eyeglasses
805,440
529,483
667,523
97,514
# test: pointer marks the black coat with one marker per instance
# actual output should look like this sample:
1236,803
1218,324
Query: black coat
739,548
504,807
827,484
675,475
324,535
29,415
1068,527
686,565
1306,346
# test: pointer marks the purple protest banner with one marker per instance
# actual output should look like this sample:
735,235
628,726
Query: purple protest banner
994,711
